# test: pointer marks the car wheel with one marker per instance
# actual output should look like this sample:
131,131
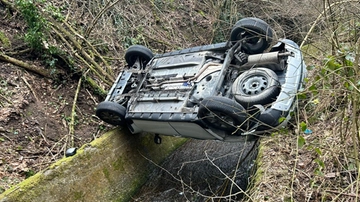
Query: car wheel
256,33
221,113
138,53
256,86
111,112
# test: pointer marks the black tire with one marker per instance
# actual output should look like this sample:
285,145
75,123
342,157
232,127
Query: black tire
111,113
256,86
136,52
221,113
256,33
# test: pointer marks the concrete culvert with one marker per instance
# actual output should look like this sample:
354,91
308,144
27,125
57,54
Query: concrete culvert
111,168
201,170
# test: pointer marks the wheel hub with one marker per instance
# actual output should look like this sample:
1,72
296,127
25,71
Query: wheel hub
254,85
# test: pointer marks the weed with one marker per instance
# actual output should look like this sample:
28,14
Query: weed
4,40
54,11
37,25
37,34
29,173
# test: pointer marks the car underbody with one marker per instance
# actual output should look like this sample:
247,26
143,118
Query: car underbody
227,91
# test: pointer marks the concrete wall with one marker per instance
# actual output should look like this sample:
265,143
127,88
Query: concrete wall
110,168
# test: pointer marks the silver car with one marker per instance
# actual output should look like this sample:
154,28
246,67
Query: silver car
231,91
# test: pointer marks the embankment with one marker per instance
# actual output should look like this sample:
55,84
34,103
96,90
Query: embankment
111,168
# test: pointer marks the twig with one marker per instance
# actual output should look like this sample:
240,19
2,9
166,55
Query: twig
73,113
227,177
96,133
92,98
319,17
56,144
32,91
340,193
7,100
56,89
43,163
42,135
97,17
241,160
50,152
6,137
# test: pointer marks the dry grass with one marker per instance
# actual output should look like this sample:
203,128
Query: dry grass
324,165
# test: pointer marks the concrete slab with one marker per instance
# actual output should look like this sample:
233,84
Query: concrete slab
111,168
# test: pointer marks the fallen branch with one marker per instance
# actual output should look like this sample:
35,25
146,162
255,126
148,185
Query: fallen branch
97,89
73,114
81,50
97,54
81,58
27,66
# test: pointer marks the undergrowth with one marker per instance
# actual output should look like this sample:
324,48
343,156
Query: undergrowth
321,162
37,34
333,107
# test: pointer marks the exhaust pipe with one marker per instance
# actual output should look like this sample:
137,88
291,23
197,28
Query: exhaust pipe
265,59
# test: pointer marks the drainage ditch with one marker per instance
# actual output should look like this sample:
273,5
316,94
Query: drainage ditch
202,170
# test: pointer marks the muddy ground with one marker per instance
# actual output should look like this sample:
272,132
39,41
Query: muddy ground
34,122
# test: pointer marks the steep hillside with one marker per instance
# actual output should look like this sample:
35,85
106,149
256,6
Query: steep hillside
59,58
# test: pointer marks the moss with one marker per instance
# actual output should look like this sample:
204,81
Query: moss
4,40
61,164
78,195
119,177
107,174
27,185
134,187
257,170
258,162
118,164
179,143
80,153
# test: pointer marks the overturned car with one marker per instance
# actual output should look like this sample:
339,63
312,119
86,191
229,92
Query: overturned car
230,91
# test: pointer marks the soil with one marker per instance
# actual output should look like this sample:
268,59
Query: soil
34,122
35,111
